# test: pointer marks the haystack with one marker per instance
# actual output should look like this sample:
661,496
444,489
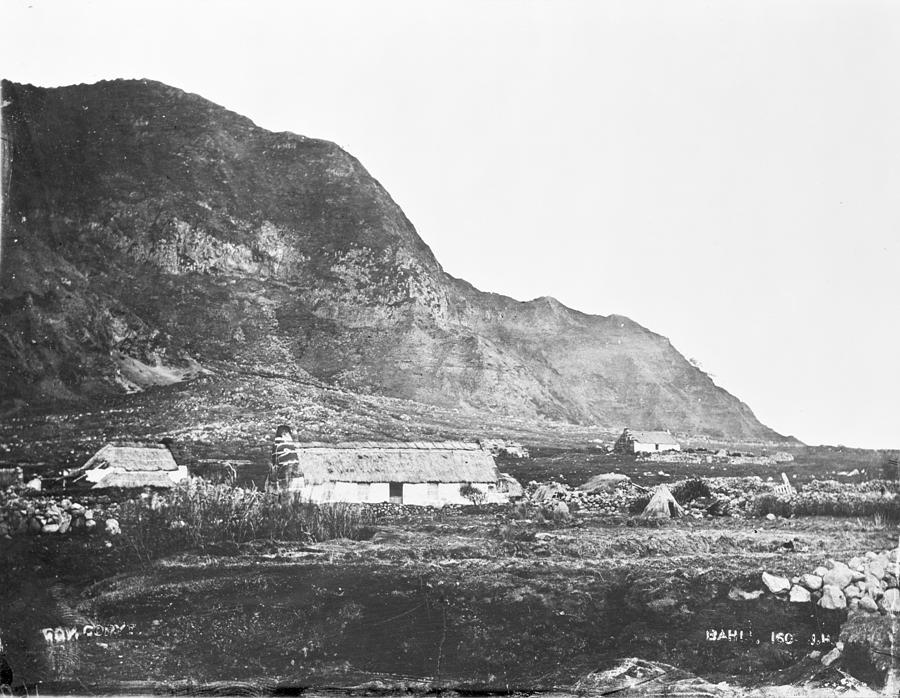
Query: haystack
604,482
547,492
662,505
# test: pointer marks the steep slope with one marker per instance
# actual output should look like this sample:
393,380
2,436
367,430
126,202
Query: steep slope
150,235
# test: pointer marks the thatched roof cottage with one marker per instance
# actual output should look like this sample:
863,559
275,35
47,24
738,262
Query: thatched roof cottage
130,465
424,473
633,441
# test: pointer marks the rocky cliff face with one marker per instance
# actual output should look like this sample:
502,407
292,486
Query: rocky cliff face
150,235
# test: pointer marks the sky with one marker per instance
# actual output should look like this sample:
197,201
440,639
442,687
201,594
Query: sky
724,173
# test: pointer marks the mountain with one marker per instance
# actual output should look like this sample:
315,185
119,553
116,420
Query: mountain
151,236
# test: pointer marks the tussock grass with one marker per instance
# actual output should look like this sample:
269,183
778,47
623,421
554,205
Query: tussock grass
860,505
201,514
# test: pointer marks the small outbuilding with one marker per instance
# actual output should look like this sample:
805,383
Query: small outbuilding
423,473
633,441
132,465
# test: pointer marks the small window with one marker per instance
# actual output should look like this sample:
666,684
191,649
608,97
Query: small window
396,492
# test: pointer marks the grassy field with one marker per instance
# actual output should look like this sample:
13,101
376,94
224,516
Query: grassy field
810,463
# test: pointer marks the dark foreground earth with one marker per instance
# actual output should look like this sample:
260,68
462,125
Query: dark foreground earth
465,601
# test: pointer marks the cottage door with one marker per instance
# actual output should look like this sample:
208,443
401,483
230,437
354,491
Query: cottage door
396,492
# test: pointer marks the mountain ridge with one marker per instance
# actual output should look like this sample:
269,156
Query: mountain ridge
147,227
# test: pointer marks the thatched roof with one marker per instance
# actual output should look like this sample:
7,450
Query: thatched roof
134,479
373,461
132,458
650,437
393,445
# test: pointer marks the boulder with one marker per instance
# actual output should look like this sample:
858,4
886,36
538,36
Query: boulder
812,582
832,598
851,591
65,520
876,568
820,571
800,594
867,603
839,576
112,526
831,657
50,528
873,587
775,584
890,602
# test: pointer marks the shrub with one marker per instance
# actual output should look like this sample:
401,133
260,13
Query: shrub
472,493
689,490
513,533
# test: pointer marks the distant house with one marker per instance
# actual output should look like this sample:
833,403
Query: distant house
633,441
424,473
130,465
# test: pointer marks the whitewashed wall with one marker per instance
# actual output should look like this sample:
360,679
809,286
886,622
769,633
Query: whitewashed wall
651,448
421,493
178,475
96,474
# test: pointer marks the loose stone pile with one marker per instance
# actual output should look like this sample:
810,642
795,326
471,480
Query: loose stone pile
22,515
869,583
719,457
728,496
615,496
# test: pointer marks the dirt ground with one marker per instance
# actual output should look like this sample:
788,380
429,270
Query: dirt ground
461,600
